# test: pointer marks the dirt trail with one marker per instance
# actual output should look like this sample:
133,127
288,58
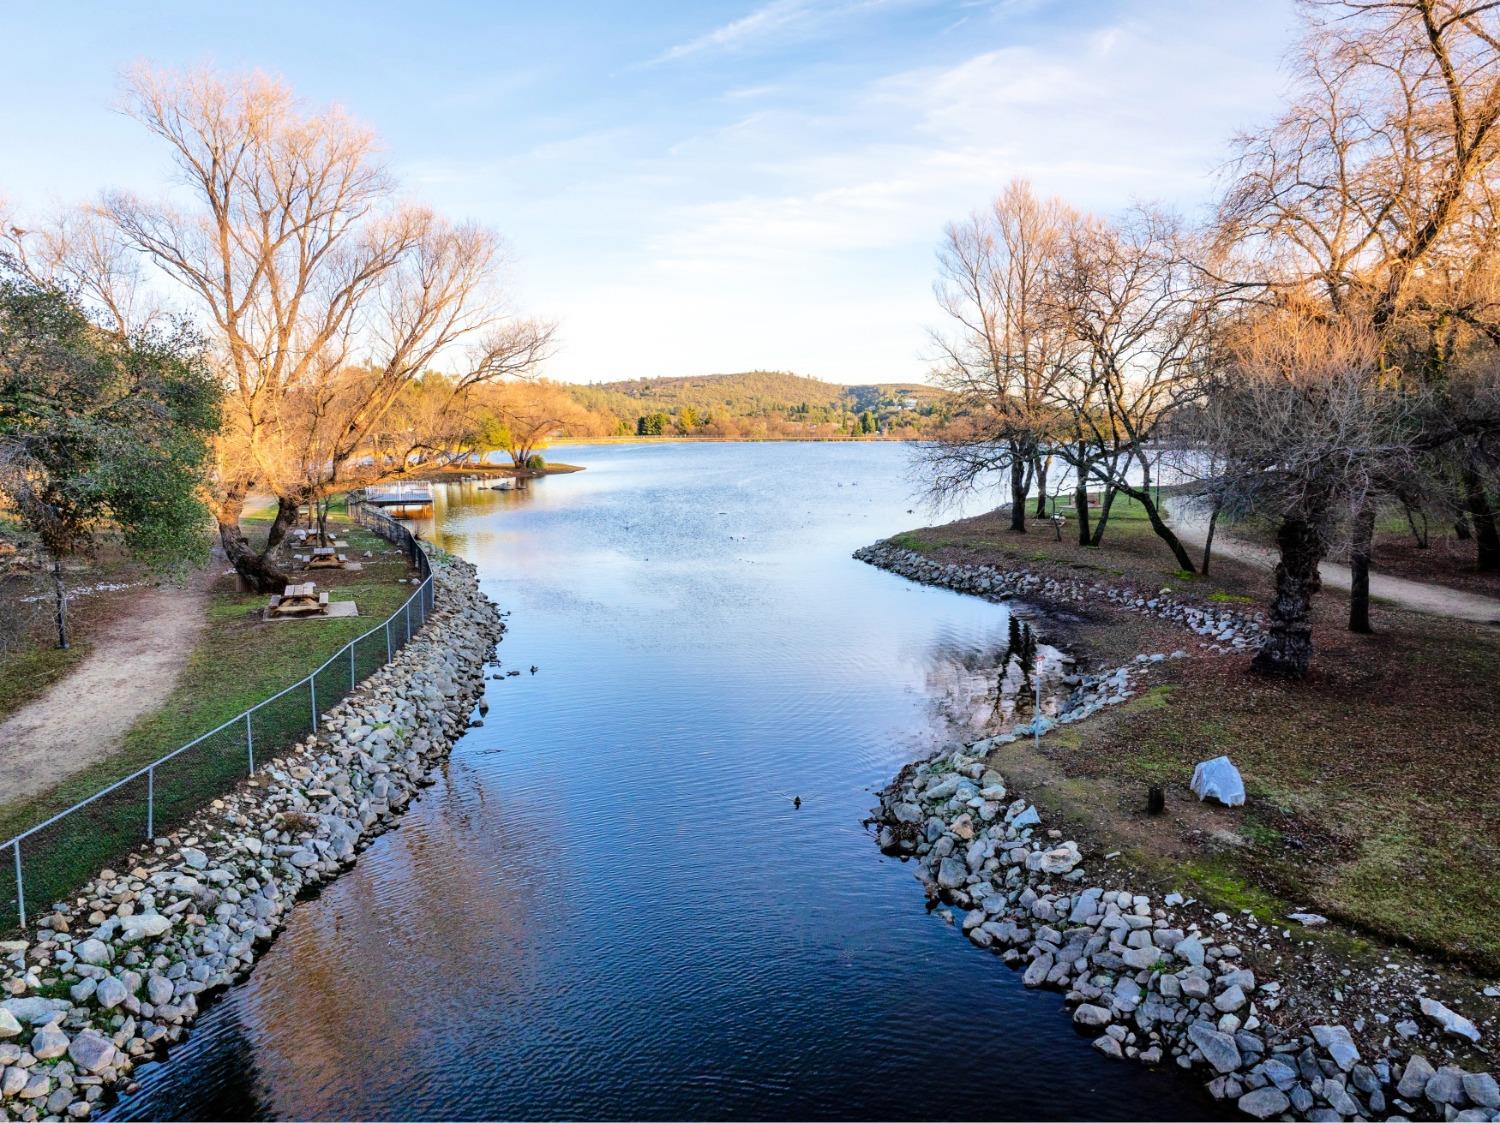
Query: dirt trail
133,662
1436,600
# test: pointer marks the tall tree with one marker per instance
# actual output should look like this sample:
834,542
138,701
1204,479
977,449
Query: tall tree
1130,299
1003,347
295,248
100,432
1371,200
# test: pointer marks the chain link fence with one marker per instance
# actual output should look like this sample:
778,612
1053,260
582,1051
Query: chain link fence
50,860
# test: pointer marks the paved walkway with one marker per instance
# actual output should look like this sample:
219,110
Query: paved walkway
132,664
1437,600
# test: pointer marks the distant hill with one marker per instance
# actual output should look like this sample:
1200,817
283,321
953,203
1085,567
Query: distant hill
764,404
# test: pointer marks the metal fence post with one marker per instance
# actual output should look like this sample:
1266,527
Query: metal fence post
387,640
312,693
250,740
20,886
151,802
352,644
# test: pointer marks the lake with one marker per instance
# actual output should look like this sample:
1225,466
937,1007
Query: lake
609,905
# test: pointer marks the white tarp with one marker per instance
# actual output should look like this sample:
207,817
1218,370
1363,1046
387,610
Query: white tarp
1220,780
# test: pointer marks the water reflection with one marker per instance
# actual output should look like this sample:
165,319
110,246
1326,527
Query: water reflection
609,904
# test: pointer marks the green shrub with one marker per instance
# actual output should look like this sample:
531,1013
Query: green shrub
536,462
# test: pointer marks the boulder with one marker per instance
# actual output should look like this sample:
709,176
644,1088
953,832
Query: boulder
1189,949
1455,1025
1218,779
1481,1088
1415,1077
110,992
1336,1041
93,951
48,1043
1091,1015
1264,1103
1218,1049
92,1052
952,873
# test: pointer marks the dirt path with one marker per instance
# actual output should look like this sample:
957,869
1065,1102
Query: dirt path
1436,600
133,662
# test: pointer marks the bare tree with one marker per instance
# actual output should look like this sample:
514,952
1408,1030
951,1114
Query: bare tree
1373,195
298,253
1139,316
1003,347
1309,426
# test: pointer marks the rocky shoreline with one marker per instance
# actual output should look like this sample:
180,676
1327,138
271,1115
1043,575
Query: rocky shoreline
116,974
1157,980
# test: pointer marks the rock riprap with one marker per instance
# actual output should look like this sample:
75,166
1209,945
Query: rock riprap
116,973
1157,981
1221,628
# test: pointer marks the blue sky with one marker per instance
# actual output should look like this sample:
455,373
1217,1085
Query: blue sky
695,187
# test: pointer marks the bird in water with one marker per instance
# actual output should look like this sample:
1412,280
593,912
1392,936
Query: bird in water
796,801
533,668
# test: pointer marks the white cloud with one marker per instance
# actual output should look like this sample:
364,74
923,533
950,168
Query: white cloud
772,22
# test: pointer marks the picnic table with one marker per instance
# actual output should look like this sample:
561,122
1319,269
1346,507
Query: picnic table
304,537
326,557
300,600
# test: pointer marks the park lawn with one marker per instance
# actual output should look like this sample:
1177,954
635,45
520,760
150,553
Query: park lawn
28,669
239,660
28,672
1371,785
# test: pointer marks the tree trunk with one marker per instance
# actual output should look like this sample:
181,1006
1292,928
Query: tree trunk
259,573
1105,504
1163,531
1461,529
1418,533
1359,569
1208,540
1287,649
1081,506
60,592
256,570
1486,533
1041,488
1018,494
286,518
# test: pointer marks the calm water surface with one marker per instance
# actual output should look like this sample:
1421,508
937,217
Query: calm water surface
608,905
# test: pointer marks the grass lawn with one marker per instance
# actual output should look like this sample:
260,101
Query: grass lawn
35,662
29,671
239,660
1371,785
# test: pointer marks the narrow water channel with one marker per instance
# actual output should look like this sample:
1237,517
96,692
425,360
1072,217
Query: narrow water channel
609,905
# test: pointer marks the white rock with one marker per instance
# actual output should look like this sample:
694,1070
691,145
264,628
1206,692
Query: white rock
159,990
92,951
110,992
1455,1024
92,1052
1220,780
140,927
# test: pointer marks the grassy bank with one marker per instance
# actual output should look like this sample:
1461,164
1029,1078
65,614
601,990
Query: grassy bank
238,660
1370,784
